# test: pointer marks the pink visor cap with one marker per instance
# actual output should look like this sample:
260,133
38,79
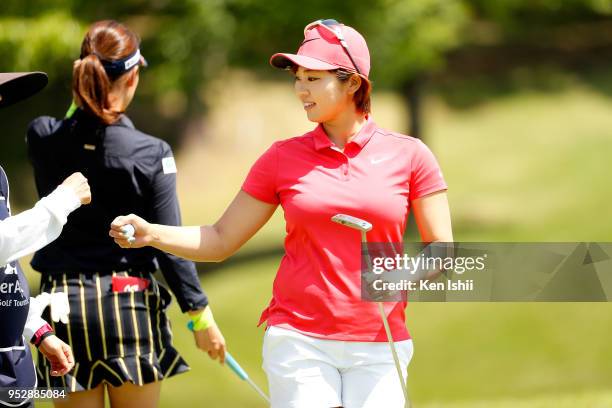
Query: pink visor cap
328,46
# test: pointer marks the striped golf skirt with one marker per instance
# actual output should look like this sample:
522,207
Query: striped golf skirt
118,333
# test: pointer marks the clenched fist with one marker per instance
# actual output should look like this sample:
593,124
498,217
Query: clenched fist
78,184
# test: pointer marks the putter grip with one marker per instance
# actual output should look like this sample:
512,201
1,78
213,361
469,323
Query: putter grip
229,359
233,364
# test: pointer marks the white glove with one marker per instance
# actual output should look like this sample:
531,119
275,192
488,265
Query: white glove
34,321
59,311
60,308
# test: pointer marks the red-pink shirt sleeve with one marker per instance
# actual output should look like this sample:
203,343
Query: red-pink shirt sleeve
261,180
425,175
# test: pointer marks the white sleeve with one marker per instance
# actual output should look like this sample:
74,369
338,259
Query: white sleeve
33,229
34,321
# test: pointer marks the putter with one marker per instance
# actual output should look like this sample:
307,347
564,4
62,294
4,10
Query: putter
239,371
364,226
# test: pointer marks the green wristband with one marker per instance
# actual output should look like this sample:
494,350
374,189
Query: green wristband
203,320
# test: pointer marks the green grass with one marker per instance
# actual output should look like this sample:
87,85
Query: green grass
238,295
530,167
601,399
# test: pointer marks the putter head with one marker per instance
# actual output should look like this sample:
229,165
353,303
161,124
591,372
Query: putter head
353,222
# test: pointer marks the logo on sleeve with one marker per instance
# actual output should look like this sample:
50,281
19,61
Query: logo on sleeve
168,165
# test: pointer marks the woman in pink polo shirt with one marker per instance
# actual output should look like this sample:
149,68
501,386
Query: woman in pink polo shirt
324,346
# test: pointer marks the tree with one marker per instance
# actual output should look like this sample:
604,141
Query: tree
184,41
407,39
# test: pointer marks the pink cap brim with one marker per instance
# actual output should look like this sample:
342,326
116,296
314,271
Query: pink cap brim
284,61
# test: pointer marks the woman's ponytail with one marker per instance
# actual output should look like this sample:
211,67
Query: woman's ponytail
91,85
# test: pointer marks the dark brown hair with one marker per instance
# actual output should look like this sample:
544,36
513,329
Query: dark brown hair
362,95
105,40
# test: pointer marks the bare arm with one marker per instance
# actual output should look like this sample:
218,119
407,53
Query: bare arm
240,221
433,220
432,216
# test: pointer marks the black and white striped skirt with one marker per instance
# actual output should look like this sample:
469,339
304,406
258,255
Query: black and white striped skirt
116,337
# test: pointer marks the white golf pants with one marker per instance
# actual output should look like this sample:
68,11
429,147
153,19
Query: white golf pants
307,372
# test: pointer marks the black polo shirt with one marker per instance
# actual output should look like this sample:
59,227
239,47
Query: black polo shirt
129,172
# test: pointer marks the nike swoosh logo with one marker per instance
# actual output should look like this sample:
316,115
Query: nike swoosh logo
379,160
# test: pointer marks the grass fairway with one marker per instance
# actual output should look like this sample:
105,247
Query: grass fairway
239,295
601,399
530,167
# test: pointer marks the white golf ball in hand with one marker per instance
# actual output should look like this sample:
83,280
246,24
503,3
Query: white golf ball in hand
128,232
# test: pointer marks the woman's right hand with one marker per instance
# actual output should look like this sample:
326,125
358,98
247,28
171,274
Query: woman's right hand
211,341
142,231
78,184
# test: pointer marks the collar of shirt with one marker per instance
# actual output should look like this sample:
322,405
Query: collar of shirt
322,141
82,115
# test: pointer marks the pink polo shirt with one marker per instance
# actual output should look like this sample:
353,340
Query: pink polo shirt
317,289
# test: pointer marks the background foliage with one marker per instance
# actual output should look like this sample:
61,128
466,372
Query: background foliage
513,96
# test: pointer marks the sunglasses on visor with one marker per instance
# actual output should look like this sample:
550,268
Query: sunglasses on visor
333,27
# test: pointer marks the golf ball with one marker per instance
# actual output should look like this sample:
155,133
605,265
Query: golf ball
128,231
